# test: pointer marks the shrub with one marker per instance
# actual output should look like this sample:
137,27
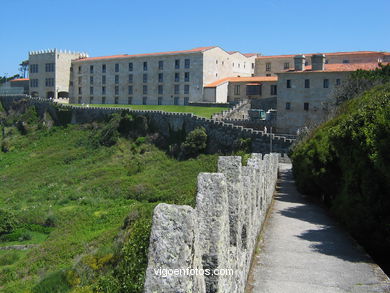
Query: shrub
9,258
50,221
53,283
8,222
195,143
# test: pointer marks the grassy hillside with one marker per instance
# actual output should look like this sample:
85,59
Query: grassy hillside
86,207
206,112
347,162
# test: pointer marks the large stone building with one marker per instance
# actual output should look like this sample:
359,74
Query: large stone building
49,72
304,91
158,78
271,65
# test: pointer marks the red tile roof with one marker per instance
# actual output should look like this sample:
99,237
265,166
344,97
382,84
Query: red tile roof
250,79
20,79
328,54
200,49
340,67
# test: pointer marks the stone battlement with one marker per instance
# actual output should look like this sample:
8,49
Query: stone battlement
219,233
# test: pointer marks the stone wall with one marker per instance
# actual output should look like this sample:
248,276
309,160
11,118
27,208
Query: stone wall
264,104
221,136
219,233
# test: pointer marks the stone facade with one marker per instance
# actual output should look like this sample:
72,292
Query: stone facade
170,78
218,235
49,72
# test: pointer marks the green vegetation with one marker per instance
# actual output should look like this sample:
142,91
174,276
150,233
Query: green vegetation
346,161
84,195
206,112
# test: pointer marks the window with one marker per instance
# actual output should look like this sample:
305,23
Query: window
79,100
345,61
267,66
79,79
103,90
177,77
160,65
131,66
274,90
49,82
70,83
286,65
34,68
160,100
49,67
177,64
288,83
144,100
116,100
34,82
130,90
338,81
80,91
91,100
176,101
306,106
160,77
253,90
103,68
177,89
186,89
91,69
91,90
187,63
103,79
130,78
117,90
216,61
79,69
145,77
186,76
237,89
130,100
268,74
253,65
145,66
91,79
326,83
116,67
288,106
116,79
186,100
103,100
160,89
307,83
145,89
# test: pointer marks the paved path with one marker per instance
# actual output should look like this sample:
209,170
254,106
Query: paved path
303,250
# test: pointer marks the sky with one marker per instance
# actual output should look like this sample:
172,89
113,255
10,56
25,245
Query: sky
269,27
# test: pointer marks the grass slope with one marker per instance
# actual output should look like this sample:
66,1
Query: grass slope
206,112
85,193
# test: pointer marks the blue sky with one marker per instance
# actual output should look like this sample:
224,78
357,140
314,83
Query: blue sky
118,26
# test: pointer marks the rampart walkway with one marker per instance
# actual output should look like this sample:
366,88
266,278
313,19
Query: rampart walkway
303,250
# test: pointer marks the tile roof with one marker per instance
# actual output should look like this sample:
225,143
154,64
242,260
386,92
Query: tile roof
199,49
250,79
340,67
328,54
20,79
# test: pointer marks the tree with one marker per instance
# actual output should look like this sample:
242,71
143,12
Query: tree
23,68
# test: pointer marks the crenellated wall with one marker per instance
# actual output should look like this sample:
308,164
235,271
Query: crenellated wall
219,233
221,136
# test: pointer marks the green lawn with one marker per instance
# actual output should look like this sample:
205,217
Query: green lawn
199,111
88,192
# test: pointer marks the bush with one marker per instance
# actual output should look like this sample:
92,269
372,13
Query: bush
347,163
8,222
9,258
54,283
195,143
18,235
50,221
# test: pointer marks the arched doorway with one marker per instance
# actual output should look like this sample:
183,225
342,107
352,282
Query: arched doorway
63,95
50,95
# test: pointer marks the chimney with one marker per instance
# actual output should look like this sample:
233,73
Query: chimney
318,62
299,62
